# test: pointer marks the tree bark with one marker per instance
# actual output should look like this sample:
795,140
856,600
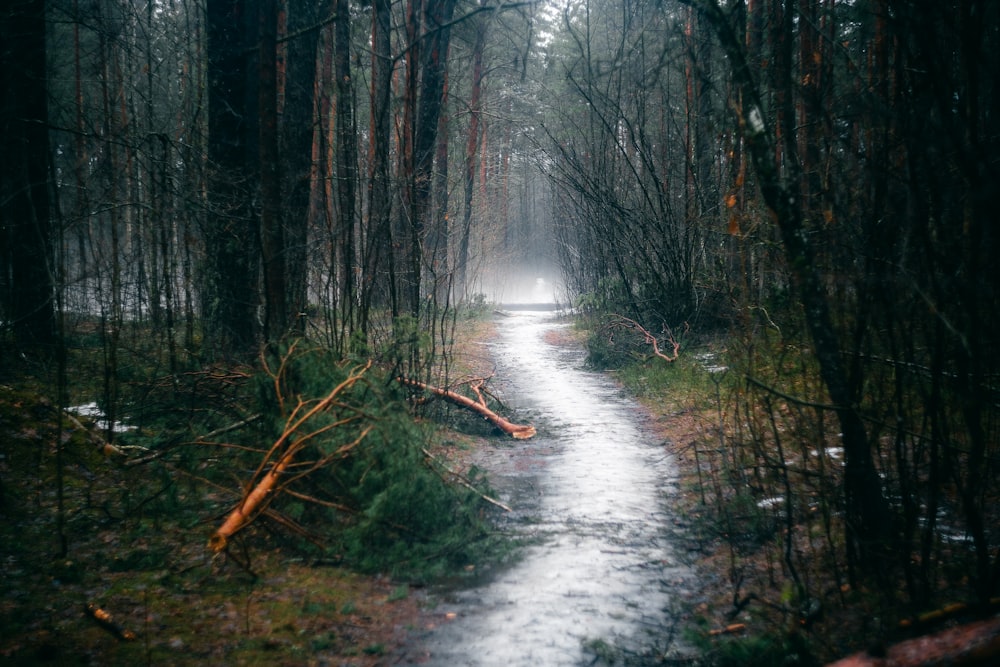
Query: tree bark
230,296
378,244
471,149
433,59
297,122
271,234
345,151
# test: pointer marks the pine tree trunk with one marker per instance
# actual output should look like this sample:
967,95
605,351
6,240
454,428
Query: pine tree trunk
230,295
24,176
271,234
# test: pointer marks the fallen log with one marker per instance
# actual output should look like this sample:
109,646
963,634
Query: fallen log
517,431
944,613
967,645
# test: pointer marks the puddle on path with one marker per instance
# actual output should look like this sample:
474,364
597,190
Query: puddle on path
600,584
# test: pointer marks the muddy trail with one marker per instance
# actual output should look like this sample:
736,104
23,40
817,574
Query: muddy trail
598,582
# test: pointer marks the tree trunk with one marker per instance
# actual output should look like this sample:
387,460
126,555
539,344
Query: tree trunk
345,152
297,123
271,234
472,147
433,58
377,285
230,296
971,645
24,176
868,517
439,232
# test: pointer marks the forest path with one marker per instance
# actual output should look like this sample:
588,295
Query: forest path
598,580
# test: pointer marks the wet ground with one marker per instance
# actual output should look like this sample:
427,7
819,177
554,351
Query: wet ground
598,582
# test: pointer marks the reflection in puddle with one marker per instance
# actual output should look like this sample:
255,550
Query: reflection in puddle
599,580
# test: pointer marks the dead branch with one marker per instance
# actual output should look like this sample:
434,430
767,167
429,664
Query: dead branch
232,427
944,613
466,483
517,431
107,622
264,483
277,375
650,339
732,629
201,440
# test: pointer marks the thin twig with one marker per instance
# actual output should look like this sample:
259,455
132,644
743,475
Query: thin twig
466,483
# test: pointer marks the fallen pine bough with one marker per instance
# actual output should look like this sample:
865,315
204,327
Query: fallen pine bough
264,484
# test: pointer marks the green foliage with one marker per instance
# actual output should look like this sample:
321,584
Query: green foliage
382,507
694,376
400,592
375,649
604,653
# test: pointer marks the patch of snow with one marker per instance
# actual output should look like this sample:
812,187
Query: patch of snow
93,411
770,502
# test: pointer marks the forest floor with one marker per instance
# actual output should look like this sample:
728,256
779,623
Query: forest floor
132,584
167,599
171,602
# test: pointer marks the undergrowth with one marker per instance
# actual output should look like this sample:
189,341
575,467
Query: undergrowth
136,502
762,501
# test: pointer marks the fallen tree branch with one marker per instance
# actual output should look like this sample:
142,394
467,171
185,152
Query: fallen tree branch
517,431
107,622
259,494
731,629
241,515
201,440
944,613
628,323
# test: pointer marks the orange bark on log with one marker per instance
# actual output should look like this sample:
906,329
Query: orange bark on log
517,431
969,645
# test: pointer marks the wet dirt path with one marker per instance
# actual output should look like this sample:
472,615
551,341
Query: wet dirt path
599,583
